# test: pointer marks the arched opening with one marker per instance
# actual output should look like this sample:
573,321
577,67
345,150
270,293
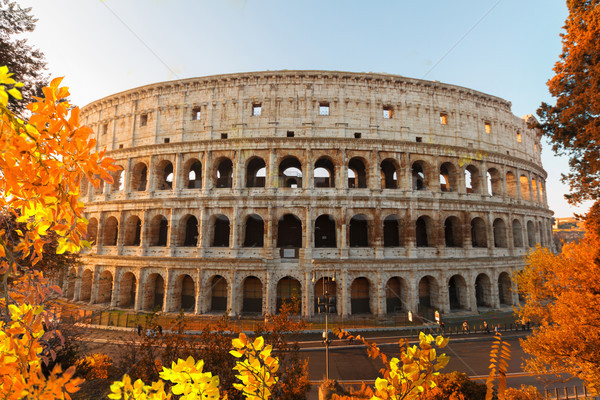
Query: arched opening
159,231
453,232
525,194
359,231
483,292
252,301
139,177
221,232
428,295
517,233
111,231
500,239
389,174
133,231
256,172
92,231
457,293
164,175
447,177
324,173
85,292
325,232
105,286
71,282
326,288
127,290
423,232
190,233
472,179
290,173
154,293
289,231
289,289
418,176
224,173
218,294
391,231
84,186
494,182
396,292
187,298
511,185
193,174
254,232
118,180
359,296
534,188
541,191
504,289
530,234
357,173
478,233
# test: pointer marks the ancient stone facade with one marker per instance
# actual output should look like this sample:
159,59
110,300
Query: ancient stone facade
238,191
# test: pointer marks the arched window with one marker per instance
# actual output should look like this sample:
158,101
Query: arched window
193,174
224,174
452,232
422,232
290,173
254,232
447,177
164,175
357,174
525,194
389,174
289,231
396,295
360,296
511,185
325,232
500,233
133,231
111,231
159,231
391,231
418,176
92,231
324,173
483,291
530,234
478,233
494,182
428,294
118,180
105,286
139,177
221,232
457,293
252,291
218,294
472,179
256,172
504,289
288,289
534,188
517,233
190,233
127,290
359,231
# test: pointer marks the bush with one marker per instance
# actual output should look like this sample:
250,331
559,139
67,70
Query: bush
525,393
455,386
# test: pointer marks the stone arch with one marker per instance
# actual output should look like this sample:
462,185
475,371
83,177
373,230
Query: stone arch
154,292
254,231
478,233
159,231
127,290
325,287
517,230
223,176
511,185
110,232
290,172
472,183
92,231
105,287
457,293
530,234
324,173
288,288
221,231
424,231
483,291
525,194
192,176
448,177
325,232
133,231
429,292
252,300
118,179
256,172
289,231
419,175
541,191
500,239
357,173
396,295
164,175
389,173
453,236
184,293
494,182
360,296
218,294
139,177
85,292
188,231
358,232
391,231
71,282
84,186
504,289
534,188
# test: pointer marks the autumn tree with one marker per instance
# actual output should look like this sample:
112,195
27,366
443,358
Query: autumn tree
573,123
562,295
22,59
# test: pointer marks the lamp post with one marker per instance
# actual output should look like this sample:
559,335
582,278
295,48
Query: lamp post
326,304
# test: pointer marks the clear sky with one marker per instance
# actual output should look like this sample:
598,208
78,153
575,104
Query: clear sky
506,48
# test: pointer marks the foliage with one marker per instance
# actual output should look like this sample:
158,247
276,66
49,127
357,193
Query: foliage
410,375
25,61
573,123
455,386
94,366
499,357
524,393
562,294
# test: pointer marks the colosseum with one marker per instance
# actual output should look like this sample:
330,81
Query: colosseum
374,193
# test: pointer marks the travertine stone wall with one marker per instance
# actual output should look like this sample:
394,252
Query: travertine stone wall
238,191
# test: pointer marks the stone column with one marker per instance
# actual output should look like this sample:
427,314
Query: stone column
95,278
207,177
139,292
78,278
114,299
343,294
375,183
178,177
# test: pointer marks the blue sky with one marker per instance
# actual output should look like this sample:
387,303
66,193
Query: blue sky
506,48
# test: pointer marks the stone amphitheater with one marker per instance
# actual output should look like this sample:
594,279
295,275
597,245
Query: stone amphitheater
376,194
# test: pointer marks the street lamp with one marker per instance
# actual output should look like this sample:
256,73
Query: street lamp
326,304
